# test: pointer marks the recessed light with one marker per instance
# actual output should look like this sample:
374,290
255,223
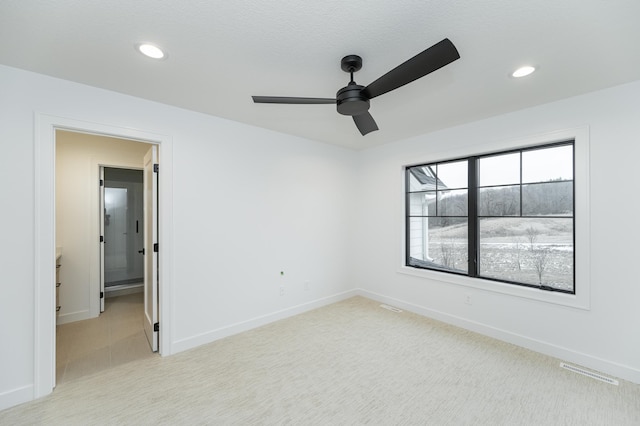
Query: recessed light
523,71
150,50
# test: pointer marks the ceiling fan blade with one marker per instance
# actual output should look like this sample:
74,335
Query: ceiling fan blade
365,123
428,61
289,100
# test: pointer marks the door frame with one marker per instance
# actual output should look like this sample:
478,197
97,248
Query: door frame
44,368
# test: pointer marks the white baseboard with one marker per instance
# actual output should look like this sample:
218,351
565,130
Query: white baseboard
220,333
73,317
109,293
16,396
602,365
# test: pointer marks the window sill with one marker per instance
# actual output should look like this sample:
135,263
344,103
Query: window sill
564,299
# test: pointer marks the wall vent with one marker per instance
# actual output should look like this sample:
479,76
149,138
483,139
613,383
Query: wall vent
391,308
588,373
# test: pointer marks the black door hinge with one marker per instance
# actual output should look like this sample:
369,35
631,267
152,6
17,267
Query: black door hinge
102,295
155,247
156,167
101,238
156,326
101,182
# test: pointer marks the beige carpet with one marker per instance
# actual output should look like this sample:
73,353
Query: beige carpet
349,363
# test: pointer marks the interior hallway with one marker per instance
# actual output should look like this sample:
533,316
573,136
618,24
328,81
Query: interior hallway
114,338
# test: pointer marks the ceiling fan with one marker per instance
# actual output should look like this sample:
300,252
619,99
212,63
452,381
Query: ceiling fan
353,99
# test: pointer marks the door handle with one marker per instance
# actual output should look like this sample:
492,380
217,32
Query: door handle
141,251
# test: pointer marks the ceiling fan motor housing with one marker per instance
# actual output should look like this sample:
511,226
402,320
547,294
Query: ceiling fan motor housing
351,100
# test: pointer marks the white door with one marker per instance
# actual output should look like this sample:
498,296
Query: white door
150,247
102,219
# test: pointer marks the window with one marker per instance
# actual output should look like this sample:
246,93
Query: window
506,216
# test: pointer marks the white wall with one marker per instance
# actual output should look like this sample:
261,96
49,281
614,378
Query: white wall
604,337
78,158
248,203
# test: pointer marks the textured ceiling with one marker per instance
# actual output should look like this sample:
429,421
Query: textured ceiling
222,52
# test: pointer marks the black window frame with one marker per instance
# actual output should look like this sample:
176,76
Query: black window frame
473,217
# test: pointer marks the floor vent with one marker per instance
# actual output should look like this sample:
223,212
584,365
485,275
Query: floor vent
589,373
391,308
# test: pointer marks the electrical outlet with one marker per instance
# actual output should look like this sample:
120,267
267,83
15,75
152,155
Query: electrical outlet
306,285
281,290
467,299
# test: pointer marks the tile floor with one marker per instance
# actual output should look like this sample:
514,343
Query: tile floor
115,337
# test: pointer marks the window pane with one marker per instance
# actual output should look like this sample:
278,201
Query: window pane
422,178
548,164
530,251
418,237
500,201
453,203
452,175
422,204
545,199
439,243
524,206
500,169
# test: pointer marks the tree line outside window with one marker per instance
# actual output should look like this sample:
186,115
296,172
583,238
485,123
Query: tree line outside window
506,216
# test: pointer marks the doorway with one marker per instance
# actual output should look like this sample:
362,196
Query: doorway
123,230
99,192
45,128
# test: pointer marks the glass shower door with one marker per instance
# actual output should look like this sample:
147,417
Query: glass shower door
115,230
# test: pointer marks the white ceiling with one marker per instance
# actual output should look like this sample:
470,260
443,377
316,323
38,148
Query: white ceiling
222,52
